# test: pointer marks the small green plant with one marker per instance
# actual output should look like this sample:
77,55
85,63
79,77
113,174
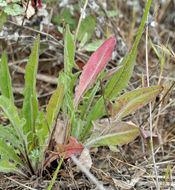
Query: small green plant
10,7
24,140
14,8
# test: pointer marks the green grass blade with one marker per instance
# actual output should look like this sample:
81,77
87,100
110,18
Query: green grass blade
54,105
55,174
5,79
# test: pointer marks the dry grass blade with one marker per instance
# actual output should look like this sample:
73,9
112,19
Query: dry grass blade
123,185
150,113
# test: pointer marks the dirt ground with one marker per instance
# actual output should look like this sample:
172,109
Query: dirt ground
132,166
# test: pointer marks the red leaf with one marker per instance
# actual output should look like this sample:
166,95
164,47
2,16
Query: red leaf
36,3
96,63
74,147
80,64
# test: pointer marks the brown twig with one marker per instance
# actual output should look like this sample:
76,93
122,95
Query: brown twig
80,19
45,78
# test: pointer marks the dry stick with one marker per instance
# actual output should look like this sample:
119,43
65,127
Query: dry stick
9,178
136,167
80,19
150,113
27,6
37,31
88,174
45,78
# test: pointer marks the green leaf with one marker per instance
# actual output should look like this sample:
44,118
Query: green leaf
5,165
3,3
118,133
12,114
96,112
8,150
69,51
5,79
13,10
68,108
67,16
87,104
9,134
42,129
27,113
54,105
15,1
91,47
113,13
30,105
131,101
77,128
68,80
87,27
3,18
120,80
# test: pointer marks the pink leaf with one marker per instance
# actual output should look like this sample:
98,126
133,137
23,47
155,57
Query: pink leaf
36,3
96,63
74,147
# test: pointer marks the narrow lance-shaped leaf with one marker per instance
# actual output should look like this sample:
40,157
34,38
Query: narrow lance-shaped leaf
27,113
5,79
3,16
12,113
96,112
9,134
6,166
118,133
54,105
88,103
96,63
131,101
9,151
87,27
30,96
120,79
69,51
